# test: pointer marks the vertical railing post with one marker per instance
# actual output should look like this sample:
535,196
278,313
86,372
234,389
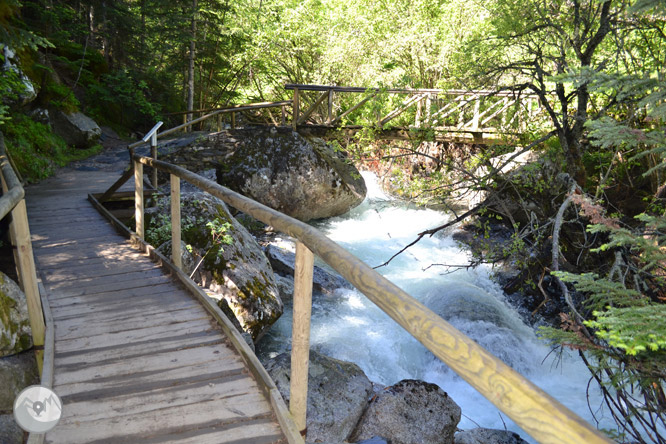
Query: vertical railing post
296,105
300,343
283,121
417,119
233,120
428,108
175,222
25,265
219,123
138,199
329,117
475,119
153,154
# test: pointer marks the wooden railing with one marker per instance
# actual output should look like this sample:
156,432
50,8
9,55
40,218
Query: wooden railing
540,415
12,203
444,110
454,111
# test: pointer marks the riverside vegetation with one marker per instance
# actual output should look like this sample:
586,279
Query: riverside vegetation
584,221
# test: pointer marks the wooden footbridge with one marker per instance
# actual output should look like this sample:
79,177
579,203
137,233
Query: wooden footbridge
139,353
469,116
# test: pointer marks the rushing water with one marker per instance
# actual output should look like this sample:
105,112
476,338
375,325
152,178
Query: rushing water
347,326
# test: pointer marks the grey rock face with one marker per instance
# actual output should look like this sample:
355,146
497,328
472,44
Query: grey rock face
411,412
28,93
76,129
237,272
305,179
488,436
10,432
15,332
338,392
16,373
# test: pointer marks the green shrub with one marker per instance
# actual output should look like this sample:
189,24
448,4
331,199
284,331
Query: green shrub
37,151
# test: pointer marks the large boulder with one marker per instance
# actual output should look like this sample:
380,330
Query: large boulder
305,179
283,260
15,332
488,436
76,128
233,268
338,392
411,412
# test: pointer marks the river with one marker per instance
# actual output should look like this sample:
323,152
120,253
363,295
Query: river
347,326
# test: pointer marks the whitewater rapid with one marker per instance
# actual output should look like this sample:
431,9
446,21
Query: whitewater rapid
347,326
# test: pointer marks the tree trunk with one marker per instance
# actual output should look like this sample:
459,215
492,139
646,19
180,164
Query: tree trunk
190,81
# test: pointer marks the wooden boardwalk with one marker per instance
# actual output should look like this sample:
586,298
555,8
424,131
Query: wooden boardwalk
137,359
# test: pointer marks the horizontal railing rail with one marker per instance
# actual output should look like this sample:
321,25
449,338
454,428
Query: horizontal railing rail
450,92
12,203
540,415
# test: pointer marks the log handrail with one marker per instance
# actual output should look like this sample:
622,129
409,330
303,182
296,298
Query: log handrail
540,415
231,110
12,203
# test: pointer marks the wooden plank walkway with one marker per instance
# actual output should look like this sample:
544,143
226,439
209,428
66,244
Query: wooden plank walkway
137,359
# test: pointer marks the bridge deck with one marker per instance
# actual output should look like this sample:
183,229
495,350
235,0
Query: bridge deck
137,359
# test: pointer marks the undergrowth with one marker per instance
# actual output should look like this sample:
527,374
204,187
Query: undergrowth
36,151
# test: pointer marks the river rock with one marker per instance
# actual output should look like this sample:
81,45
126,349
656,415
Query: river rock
16,373
304,178
76,128
15,332
488,436
237,272
283,260
410,412
338,392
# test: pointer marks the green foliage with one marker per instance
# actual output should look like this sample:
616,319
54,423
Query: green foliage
58,96
36,151
118,97
633,329
11,87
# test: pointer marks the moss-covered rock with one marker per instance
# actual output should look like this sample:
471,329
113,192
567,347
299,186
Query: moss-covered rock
229,262
15,333
304,178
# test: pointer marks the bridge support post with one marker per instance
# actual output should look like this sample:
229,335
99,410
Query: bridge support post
300,348
475,119
329,117
138,198
296,106
176,254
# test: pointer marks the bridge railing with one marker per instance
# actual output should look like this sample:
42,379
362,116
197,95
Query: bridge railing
472,111
540,415
12,203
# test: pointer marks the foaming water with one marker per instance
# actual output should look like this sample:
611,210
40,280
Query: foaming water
347,326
